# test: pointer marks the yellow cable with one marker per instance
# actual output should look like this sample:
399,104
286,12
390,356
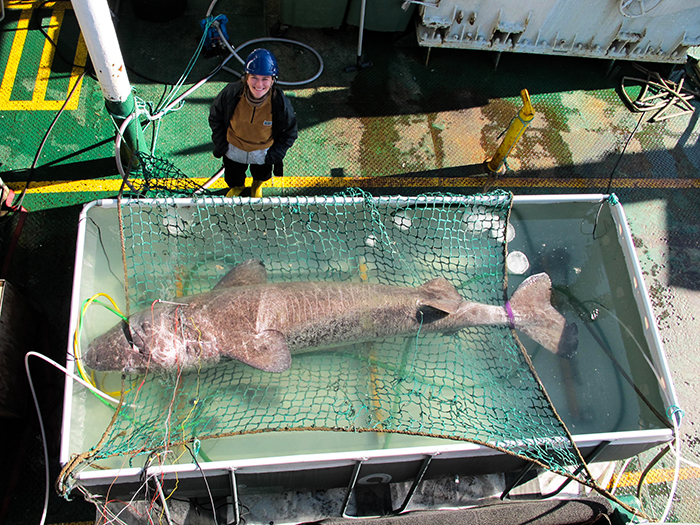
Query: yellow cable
196,401
76,341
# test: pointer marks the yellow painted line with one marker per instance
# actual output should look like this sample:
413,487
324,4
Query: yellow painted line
590,185
42,78
664,475
8,80
30,4
38,101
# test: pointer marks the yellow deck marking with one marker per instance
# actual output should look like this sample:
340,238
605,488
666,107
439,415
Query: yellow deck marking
589,185
42,78
664,475
30,4
38,101
8,79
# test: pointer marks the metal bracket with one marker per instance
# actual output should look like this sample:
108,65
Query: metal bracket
234,498
409,496
591,457
416,483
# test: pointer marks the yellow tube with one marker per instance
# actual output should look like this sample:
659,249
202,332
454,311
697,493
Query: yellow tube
515,131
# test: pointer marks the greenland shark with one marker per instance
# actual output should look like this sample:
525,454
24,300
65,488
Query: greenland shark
261,324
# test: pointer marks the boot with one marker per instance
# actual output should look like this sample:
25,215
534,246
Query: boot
256,189
235,191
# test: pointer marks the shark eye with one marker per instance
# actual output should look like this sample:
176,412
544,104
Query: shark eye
138,342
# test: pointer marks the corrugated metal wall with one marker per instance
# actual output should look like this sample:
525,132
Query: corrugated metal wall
643,30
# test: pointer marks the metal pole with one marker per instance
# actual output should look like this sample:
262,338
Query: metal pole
211,180
363,8
351,487
359,64
95,21
416,482
234,497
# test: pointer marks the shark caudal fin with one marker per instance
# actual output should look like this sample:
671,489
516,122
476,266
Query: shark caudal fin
534,315
266,351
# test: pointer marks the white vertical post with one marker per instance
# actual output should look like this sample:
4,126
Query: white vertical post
95,20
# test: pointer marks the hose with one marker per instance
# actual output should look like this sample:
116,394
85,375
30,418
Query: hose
271,39
42,430
676,417
234,52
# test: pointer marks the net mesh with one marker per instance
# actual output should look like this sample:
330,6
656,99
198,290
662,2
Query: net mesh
473,385
155,176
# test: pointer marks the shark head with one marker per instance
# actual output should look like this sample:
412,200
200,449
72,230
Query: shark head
121,348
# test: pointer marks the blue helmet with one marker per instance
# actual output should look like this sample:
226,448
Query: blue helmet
261,62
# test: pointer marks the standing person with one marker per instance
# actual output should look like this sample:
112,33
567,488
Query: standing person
252,124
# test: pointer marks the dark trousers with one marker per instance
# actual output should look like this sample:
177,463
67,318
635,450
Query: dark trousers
234,172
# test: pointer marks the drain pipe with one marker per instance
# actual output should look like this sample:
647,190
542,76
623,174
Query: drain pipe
95,20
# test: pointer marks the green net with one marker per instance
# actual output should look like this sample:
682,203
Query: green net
154,176
475,385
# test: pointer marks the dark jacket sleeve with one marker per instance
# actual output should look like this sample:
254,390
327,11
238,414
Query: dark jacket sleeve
284,128
220,115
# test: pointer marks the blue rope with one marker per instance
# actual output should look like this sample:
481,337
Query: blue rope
673,411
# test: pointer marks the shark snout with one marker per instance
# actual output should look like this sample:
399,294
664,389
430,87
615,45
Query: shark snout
121,348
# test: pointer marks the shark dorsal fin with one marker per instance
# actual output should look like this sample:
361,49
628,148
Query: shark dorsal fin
247,273
439,293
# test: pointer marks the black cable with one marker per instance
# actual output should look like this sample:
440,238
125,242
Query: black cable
17,206
619,158
612,173
88,66
46,137
581,309
104,249
206,483
651,465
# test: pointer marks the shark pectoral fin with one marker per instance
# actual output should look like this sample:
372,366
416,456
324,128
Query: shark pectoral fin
247,273
440,294
535,316
266,351
271,352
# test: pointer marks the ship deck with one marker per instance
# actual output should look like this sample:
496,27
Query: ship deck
413,122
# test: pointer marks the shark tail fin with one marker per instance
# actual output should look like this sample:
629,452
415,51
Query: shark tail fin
530,311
